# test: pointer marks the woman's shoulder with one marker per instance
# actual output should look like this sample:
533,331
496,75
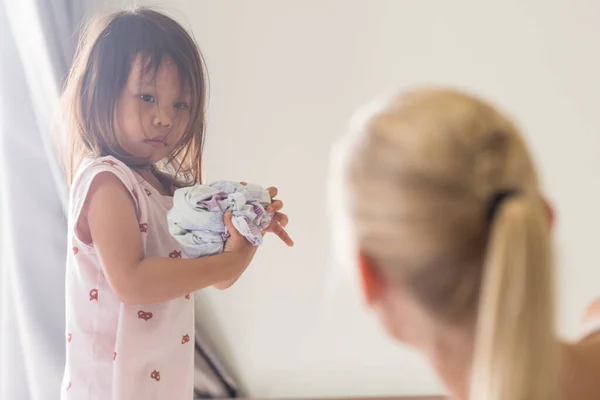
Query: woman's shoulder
581,359
591,322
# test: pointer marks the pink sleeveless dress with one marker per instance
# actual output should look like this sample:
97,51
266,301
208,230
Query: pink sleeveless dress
119,351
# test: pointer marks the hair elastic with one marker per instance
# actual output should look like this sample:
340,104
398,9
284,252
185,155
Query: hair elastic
496,201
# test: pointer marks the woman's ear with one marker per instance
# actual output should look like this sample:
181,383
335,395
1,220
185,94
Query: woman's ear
551,213
371,280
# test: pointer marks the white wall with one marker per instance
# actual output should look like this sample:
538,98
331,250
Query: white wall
289,74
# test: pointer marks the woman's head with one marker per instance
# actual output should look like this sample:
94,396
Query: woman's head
448,216
137,91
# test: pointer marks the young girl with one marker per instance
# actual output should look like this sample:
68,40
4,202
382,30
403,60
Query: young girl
135,104
455,254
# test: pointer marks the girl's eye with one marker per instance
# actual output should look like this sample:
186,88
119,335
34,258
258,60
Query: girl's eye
147,97
181,106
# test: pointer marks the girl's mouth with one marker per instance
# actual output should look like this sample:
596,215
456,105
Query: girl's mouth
157,142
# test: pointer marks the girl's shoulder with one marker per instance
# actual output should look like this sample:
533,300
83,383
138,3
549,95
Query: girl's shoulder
89,169
91,166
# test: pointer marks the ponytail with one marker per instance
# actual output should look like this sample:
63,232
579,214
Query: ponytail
516,350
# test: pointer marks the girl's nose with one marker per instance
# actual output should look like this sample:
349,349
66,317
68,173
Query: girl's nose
163,119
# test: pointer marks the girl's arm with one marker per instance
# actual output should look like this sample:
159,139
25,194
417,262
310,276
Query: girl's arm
114,230
227,283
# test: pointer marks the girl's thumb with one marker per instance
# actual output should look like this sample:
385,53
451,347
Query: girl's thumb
228,219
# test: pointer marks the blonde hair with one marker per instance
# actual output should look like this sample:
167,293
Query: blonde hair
421,174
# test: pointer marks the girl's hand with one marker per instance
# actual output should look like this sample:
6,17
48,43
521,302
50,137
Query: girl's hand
238,244
241,250
280,220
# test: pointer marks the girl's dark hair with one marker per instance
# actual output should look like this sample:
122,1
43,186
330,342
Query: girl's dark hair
100,70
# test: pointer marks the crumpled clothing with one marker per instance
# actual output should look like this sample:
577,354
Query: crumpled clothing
196,219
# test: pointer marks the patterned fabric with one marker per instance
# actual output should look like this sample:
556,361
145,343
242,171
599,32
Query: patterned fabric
196,219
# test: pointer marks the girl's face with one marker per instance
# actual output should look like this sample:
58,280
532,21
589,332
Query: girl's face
152,112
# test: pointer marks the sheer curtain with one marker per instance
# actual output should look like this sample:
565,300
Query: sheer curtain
37,40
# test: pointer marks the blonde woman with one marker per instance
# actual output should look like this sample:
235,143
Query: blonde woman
455,251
